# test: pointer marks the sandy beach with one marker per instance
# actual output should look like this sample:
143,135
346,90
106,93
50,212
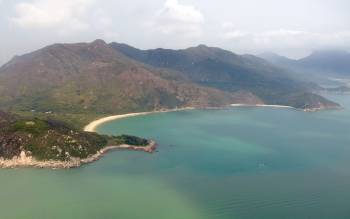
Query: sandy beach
91,127
262,105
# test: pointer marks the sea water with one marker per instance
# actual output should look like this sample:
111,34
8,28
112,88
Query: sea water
234,163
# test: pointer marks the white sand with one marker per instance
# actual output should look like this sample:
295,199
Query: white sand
91,127
94,124
261,105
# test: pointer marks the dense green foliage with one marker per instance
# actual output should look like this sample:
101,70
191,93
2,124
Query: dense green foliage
129,140
53,140
34,126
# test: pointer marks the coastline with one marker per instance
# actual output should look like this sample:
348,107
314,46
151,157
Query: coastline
92,126
24,161
262,105
315,109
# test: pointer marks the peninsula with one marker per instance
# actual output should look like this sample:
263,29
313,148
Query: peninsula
33,142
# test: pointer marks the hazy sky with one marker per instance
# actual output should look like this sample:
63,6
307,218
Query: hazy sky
289,27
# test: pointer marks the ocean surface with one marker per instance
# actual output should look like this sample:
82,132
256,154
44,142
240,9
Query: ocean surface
236,163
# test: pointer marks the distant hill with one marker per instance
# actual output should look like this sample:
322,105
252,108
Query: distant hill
323,62
224,70
329,62
278,60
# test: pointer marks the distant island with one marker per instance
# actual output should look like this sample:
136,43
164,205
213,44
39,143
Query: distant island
51,144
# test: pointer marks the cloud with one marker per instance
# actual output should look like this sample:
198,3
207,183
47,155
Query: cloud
175,18
64,14
103,25
65,17
285,38
227,25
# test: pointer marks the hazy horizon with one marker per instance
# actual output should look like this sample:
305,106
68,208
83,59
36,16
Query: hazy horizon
289,28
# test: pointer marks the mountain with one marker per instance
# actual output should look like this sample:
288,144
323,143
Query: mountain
323,63
95,78
278,60
82,81
52,140
332,62
209,66
229,72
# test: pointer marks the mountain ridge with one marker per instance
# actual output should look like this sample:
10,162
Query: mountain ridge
97,79
92,77
322,62
224,70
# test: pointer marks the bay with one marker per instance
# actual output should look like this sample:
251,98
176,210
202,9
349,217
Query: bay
234,163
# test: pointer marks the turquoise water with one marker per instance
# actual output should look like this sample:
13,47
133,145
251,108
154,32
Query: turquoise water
239,163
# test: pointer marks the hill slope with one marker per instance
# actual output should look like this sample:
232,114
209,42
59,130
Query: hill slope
94,78
224,70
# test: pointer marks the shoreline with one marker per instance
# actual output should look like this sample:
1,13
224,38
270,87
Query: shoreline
24,161
315,109
262,105
92,126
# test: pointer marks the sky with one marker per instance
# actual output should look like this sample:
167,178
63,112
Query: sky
293,28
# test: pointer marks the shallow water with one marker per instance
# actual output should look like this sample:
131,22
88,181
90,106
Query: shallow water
238,163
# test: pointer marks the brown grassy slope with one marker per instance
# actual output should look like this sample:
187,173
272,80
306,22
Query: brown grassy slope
93,78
